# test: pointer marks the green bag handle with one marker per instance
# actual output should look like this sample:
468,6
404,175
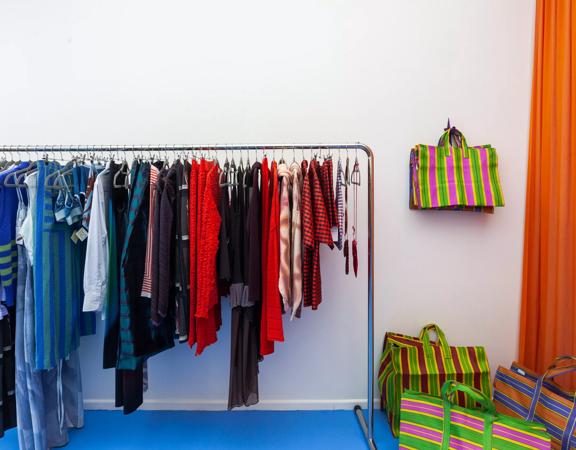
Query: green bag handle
444,143
442,341
448,390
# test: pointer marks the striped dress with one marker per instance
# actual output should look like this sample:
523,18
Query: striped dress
57,293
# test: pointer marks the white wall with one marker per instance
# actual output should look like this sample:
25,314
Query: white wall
387,73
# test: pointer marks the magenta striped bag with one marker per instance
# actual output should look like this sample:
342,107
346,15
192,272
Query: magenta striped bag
454,176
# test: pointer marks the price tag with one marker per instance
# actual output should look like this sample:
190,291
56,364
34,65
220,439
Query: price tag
82,234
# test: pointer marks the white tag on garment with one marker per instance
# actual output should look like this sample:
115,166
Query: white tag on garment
82,234
334,234
74,237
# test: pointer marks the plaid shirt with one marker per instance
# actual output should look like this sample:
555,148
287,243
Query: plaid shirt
327,184
307,235
315,231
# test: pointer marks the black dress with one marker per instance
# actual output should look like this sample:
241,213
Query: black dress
245,323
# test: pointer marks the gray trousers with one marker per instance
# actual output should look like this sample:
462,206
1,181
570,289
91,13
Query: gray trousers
48,402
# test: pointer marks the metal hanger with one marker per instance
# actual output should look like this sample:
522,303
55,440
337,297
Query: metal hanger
17,183
124,170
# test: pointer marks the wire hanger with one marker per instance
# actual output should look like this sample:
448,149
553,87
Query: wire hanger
125,171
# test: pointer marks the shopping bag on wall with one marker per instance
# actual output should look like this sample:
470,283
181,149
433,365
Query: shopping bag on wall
454,176
519,392
429,422
421,365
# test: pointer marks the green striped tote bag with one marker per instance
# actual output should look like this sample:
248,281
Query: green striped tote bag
454,177
421,365
430,423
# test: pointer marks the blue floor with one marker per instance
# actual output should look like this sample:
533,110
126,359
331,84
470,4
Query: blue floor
157,430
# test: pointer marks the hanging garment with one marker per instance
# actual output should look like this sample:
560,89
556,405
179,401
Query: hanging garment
266,346
346,245
117,222
166,247
147,281
253,255
271,323
182,284
200,323
340,204
296,238
285,277
208,314
129,383
7,372
244,190
244,351
49,401
327,184
322,234
155,284
355,180
129,374
33,431
57,280
147,339
224,258
307,235
243,389
8,253
192,230
97,252
238,220
80,176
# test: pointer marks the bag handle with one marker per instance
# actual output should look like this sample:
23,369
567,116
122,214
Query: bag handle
425,338
448,390
549,374
445,143
563,369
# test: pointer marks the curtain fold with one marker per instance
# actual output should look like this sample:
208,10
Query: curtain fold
548,312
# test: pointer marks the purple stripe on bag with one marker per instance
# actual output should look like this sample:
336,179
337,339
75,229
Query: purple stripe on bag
421,432
465,420
450,163
468,185
419,407
432,175
486,176
500,431
457,444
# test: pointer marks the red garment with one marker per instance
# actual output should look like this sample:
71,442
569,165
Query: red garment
327,182
307,235
208,319
193,216
266,346
322,233
271,302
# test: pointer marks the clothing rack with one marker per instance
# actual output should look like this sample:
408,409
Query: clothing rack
367,424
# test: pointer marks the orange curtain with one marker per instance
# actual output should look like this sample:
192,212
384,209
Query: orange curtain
548,315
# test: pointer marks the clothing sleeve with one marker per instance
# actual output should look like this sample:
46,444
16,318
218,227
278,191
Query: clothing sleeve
96,263
165,247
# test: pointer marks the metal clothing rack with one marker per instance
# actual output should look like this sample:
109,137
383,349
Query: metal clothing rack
367,424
